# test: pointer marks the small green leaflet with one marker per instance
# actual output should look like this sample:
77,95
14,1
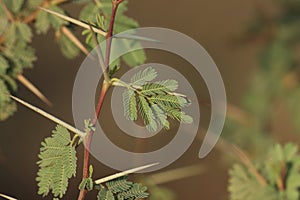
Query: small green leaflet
154,101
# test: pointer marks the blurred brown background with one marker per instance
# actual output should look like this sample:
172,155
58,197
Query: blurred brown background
215,24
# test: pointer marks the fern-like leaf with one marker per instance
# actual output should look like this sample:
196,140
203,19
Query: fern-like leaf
57,163
119,185
138,191
122,189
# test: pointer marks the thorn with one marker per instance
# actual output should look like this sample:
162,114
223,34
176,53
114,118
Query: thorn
74,21
49,116
7,197
74,39
124,173
33,89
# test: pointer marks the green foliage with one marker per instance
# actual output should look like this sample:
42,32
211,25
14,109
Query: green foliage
57,163
154,101
98,14
275,82
15,6
16,54
121,189
7,106
280,170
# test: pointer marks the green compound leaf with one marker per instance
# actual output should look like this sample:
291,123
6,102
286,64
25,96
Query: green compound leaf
155,101
57,163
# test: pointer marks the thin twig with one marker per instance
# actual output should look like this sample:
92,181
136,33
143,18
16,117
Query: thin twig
124,173
30,86
49,116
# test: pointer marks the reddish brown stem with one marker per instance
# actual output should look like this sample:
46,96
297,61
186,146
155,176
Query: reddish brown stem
104,90
88,139
110,32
